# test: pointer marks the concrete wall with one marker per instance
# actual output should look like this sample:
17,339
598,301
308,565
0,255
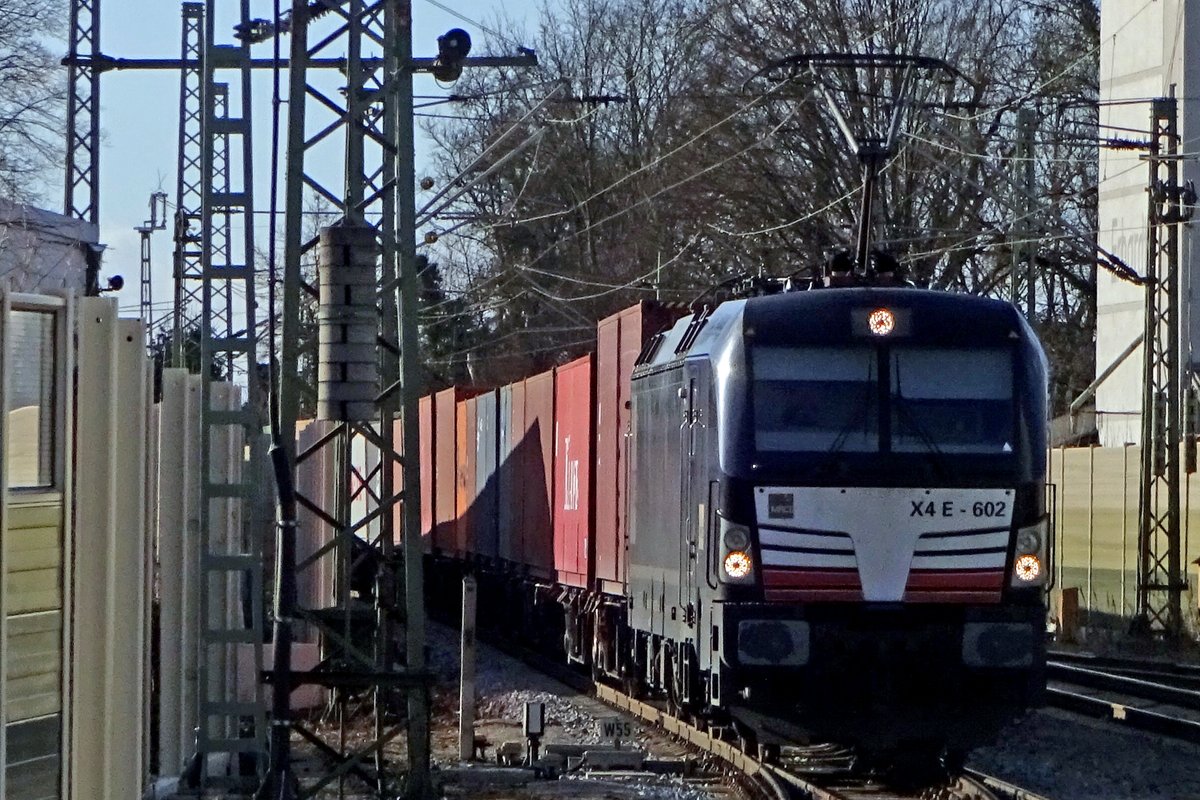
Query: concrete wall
1144,49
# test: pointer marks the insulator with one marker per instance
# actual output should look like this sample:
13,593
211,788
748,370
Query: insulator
347,324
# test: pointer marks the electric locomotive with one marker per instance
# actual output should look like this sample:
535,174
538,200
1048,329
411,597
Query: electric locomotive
837,517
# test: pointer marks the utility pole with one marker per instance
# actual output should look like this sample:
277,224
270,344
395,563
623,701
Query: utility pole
1022,248
1160,570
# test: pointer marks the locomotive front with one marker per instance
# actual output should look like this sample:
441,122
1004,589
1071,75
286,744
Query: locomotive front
879,547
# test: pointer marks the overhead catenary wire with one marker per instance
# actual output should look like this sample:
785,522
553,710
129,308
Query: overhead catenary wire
528,266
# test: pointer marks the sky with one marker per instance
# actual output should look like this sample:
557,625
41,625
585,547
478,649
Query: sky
140,117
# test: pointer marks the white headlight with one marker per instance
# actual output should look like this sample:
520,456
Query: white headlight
1028,568
736,537
738,564
1029,540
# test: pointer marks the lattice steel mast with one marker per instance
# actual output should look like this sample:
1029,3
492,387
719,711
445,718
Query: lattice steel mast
1161,581
82,196
188,272
376,198
366,122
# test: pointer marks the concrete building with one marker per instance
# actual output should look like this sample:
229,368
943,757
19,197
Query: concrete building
1146,48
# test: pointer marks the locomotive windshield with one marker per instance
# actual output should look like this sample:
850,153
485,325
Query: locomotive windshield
954,401
810,399
940,400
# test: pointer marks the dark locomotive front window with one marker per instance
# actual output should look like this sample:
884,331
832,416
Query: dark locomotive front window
809,399
952,401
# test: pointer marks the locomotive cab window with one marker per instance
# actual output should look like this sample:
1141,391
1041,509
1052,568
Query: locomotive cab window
952,401
809,399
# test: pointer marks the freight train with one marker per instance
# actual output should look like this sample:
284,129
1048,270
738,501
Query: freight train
813,514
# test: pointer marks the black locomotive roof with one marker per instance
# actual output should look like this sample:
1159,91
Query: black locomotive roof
839,316
832,315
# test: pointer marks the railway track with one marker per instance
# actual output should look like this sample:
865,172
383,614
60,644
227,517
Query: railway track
808,773
1176,673
816,772
1157,697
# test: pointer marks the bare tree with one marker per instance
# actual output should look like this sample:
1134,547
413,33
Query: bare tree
702,172
32,96
594,193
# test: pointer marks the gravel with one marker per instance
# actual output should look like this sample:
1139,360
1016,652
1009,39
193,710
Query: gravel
503,686
1056,754
1063,756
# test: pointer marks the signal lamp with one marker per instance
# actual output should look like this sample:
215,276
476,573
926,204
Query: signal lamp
738,564
1028,568
881,322
453,46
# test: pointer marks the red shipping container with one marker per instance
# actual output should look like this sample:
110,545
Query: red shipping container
619,339
573,403
425,407
536,448
445,470
465,478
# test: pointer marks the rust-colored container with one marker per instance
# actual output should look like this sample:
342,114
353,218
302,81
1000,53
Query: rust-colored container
573,437
464,483
445,470
619,339
537,458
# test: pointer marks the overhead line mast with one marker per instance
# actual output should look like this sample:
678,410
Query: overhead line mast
377,198
1161,580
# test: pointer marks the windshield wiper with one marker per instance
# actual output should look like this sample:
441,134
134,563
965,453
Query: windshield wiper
901,403
860,416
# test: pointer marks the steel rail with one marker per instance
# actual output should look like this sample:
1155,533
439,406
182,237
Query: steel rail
1126,664
1124,684
1130,715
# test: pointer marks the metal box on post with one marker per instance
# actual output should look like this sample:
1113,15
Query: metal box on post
573,437
619,339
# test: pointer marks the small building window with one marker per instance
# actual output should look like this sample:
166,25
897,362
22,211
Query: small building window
31,400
